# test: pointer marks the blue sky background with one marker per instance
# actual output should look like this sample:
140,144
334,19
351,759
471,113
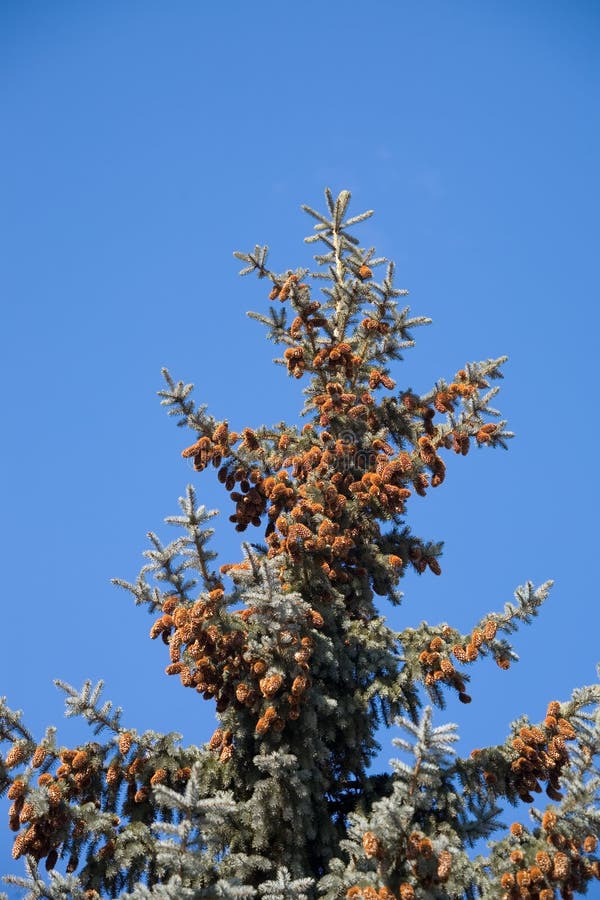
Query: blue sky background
141,144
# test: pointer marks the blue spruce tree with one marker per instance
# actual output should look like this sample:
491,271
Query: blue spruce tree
281,804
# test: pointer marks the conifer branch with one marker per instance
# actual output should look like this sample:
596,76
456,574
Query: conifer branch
86,703
176,399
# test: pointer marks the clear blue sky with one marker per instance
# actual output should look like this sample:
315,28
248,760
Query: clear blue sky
141,143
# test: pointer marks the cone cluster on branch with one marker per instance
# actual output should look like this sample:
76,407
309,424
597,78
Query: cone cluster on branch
302,669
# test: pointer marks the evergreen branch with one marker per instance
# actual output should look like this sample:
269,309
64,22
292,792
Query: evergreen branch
193,547
255,260
276,324
86,703
176,399
284,887
529,600
11,725
354,220
324,222
142,592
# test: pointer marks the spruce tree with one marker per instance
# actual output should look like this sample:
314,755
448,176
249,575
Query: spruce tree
290,646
